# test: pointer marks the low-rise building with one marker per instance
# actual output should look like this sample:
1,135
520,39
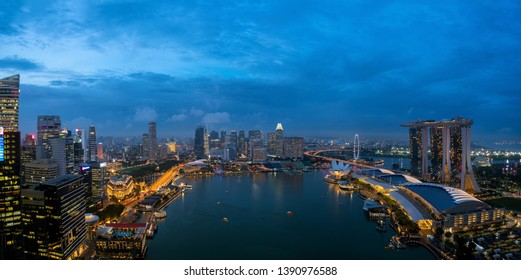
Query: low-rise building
120,187
122,241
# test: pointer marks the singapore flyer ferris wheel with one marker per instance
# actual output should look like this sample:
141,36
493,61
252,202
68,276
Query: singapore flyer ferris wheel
356,148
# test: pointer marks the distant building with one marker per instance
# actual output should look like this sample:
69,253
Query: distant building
54,218
93,148
121,241
172,147
100,151
256,145
279,141
152,141
145,146
293,147
49,127
241,144
201,145
120,187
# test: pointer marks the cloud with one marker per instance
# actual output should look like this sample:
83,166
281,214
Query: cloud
196,112
177,118
17,63
216,118
145,114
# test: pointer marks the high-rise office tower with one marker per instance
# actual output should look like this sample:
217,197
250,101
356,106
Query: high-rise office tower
9,95
49,127
59,155
450,152
256,142
152,140
28,153
223,139
145,146
272,143
279,141
100,151
233,139
48,232
294,147
214,141
78,149
10,199
93,148
241,143
201,147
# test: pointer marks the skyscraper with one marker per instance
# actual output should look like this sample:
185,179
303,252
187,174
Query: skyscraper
279,141
201,147
100,151
294,147
9,95
93,147
450,152
145,146
152,140
10,199
241,144
49,127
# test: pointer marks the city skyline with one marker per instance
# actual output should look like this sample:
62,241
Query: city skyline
239,64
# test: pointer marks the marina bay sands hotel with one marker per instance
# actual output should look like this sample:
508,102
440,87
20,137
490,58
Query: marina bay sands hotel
449,143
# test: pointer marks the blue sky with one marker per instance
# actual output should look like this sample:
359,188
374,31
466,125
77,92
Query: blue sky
331,68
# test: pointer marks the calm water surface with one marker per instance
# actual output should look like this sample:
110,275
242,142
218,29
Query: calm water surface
327,223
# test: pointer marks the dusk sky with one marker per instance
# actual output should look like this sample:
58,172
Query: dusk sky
322,68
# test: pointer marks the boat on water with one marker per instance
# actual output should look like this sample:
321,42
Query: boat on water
219,203
185,186
380,225
225,220
290,213
160,214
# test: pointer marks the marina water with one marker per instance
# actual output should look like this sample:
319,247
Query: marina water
324,223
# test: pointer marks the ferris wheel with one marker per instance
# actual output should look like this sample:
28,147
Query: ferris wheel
356,148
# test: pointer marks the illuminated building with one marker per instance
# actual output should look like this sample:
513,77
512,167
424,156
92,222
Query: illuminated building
436,153
49,127
9,94
10,199
99,181
100,151
214,141
279,141
93,148
54,218
145,146
258,152
233,139
223,139
241,143
122,241
293,147
201,145
28,153
40,171
152,141
171,147
450,151
417,137
272,143
453,207
120,187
